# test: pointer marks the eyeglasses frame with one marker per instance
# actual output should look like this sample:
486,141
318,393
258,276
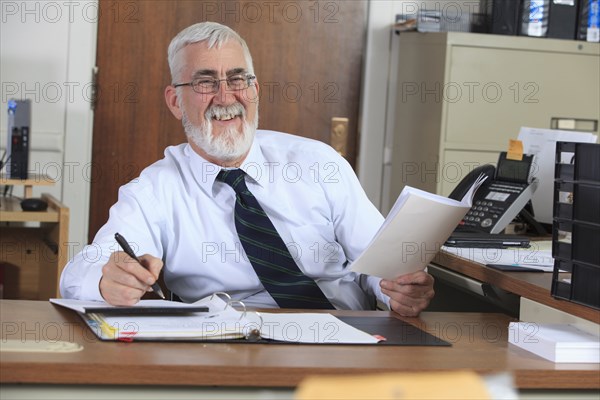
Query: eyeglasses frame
249,78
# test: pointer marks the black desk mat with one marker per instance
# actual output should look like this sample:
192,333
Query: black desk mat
395,331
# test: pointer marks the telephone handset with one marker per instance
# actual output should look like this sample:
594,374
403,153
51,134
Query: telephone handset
500,198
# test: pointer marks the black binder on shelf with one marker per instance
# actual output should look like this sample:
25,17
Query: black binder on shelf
582,20
562,21
502,16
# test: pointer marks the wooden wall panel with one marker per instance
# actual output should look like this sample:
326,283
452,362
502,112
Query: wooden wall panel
307,57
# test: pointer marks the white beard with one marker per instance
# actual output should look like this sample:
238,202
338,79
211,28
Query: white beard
229,146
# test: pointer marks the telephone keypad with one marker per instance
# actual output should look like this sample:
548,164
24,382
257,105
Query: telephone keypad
485,213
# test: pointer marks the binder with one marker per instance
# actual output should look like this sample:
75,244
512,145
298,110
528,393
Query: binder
502,16
588,21
228,321
562,21
534,18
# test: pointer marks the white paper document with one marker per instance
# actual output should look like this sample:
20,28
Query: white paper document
413,232
542,144
214,325
83,306
311,328
537,256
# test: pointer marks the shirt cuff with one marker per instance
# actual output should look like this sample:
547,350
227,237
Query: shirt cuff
373,283
90,289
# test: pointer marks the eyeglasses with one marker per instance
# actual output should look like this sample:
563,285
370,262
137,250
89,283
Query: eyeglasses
207,85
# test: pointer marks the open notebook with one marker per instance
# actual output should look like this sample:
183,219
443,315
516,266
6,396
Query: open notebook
219,321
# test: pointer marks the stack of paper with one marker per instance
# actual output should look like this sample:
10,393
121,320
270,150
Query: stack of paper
559,343
413,232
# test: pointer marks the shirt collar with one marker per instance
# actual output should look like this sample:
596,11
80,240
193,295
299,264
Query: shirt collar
255,165
205,173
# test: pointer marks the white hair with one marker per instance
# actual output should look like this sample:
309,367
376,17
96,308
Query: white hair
214,34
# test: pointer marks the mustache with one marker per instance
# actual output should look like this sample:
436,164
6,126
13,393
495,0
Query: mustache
235,109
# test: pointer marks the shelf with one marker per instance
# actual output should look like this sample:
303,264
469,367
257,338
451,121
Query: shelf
33,180
10,211
33,257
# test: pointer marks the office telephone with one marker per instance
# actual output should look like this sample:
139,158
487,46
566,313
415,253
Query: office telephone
500,198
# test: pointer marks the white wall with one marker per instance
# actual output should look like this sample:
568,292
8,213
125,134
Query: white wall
47,52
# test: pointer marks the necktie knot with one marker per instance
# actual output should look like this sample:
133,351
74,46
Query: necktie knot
233,177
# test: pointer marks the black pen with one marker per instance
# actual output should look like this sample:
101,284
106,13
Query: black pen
125,246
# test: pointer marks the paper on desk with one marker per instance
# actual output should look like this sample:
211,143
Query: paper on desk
413,232
311,328
538,256
226,323
82,305
542,144
556,342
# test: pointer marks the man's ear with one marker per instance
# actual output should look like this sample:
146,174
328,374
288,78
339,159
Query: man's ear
173,101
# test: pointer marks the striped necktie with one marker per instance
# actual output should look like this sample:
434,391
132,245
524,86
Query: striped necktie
268,254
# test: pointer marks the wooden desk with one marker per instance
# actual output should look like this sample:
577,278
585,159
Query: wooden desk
479,342
532,285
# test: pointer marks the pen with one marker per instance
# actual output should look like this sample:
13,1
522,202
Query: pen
125,246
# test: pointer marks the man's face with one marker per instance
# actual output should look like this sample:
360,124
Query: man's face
220,126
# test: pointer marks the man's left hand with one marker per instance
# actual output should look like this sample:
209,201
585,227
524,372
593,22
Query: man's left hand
409,294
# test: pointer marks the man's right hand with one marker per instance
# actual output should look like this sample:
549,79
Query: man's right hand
124,281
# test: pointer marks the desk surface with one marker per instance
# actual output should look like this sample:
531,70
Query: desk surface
532,285
479,342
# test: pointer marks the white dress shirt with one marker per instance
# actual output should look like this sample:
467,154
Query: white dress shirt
177,211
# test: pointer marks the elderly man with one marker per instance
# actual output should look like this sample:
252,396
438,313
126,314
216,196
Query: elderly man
275,220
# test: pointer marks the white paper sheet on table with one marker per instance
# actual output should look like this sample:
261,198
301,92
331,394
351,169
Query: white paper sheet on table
538,256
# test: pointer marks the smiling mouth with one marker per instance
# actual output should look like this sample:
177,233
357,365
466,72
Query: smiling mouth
225,117
223,114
